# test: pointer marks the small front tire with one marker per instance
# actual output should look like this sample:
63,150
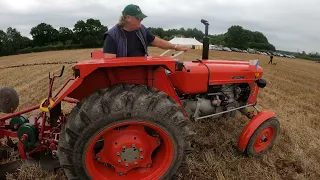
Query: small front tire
263,137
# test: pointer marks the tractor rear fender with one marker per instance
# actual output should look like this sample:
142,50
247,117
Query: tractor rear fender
104,77
97,54
251,126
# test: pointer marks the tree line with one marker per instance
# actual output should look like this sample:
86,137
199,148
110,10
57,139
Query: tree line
236,37
89,34
84,34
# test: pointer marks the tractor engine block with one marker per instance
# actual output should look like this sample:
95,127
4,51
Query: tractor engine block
217,99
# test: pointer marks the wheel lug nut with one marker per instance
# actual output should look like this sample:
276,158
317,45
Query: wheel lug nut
118,154
119,161
141,157
136,163
133,146
141,149
148,165
127,165
124,147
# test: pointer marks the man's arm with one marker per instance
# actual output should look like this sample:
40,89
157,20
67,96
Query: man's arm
163,44
109,48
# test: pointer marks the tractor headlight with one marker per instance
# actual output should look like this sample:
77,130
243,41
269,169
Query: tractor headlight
261,82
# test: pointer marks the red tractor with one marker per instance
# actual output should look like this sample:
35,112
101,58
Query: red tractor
132,116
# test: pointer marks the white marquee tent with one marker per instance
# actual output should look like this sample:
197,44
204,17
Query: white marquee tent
192,42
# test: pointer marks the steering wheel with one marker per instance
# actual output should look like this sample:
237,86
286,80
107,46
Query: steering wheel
180,52
177,54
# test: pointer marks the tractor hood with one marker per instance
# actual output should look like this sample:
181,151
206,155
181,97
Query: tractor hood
213,72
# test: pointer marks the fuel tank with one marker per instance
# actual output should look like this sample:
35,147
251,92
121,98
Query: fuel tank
213,72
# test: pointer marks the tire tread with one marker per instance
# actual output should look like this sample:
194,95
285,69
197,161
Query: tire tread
119,102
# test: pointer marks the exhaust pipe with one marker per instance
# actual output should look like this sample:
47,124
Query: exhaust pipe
205,51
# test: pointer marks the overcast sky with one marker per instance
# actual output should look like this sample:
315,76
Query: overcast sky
288,24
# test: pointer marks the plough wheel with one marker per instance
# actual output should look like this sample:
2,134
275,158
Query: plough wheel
125,132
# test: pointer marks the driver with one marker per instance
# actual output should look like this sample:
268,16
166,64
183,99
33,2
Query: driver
129,38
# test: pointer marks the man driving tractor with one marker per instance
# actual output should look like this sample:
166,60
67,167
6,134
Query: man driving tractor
130,38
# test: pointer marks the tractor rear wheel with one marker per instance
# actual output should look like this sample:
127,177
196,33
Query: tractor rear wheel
125,132
263,137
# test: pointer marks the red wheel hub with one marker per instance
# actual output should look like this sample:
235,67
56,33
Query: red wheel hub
128,148
264,139
130,153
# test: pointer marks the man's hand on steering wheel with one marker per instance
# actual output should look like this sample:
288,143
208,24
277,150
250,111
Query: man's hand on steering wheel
182,48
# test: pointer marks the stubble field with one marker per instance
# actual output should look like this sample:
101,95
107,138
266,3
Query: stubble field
292,92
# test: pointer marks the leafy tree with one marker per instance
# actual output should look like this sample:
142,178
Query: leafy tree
3,42
25,42
239,37
65,35
89,33
44,34
217,39
258,37
13,41
236,37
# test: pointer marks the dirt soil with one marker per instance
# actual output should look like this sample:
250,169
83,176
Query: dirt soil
292,92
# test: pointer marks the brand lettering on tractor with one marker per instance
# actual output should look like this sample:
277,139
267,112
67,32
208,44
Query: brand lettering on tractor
238,77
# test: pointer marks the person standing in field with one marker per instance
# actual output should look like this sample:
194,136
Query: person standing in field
130,38
271,58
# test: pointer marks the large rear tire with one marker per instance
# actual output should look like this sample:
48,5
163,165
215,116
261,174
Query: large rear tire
125,132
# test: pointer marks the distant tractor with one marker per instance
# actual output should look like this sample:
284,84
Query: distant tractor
132,118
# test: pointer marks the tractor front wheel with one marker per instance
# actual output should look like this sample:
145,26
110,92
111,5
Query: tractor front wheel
125,132
263,137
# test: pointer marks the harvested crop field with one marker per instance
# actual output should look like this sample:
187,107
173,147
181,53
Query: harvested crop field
292,92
